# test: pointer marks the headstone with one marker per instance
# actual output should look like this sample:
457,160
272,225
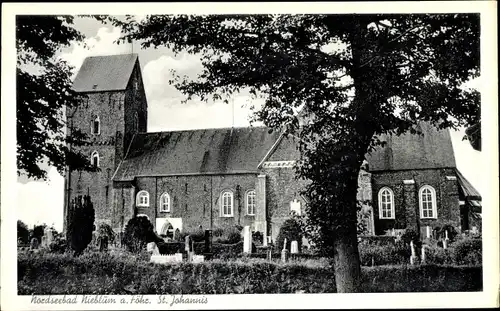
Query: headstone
446,235
208,244
103,243
34,243
189,248
198,258
49,234
44,241
474,230
294,247
423,254
153,248
445,243
247,240
428,232
413,257
284,253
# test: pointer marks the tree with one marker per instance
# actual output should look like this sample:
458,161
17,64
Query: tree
43,92
354,77
81,224
38,232
138,232
23,234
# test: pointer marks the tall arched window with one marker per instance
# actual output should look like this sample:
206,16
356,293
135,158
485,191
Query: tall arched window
142,198
386,203
94,159
96,125
226,204
165,202
251,202
427,202
136,121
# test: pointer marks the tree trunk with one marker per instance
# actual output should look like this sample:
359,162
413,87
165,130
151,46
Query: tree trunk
347,263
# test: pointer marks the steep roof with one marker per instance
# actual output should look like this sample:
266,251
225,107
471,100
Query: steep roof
466,189
206,151
105,73
409,151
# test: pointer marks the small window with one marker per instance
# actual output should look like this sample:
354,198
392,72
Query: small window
94,159
251,202
143,199
427,202
96,126
165,202
227,204
386,203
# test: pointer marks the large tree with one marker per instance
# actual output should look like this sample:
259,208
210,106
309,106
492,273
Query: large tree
355,77
43,93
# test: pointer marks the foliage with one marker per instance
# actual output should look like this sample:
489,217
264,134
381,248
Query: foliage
468,251
410,235
38,232
23,233
291,231
354,77
59,245
230,235
138,232
441,232
106,273
44,90
81,224
388,254
257,237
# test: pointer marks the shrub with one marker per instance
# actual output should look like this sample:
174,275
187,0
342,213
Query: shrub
388,254
81,224
441,232
257,237
410,235
105,273
138,232
467,251
290,230
59,245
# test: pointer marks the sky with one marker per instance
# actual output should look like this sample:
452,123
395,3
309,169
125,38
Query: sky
166,112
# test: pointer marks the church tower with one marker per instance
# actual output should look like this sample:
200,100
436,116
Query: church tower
112,109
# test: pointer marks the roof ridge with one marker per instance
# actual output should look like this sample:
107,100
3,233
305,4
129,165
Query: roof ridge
206,129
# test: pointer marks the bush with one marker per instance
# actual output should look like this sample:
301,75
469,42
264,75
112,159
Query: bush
81,224
410,235
105,273
138,232
389,254
231,235
59,245
23,234
257,237
105,230
467,251
290,230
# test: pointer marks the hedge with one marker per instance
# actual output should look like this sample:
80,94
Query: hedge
105,273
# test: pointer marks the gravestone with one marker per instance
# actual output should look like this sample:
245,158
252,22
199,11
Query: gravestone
294,247
44,242
49,234
413,257
34,243
284,253
103,243
423,258
208,244
189,248
247,240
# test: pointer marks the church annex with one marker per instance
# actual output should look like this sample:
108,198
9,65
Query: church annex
215,178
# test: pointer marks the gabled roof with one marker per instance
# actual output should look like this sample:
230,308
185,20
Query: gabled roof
466,189
240,150
410,151
105,73
192,152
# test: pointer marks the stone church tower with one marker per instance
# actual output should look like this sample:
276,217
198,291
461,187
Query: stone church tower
112,110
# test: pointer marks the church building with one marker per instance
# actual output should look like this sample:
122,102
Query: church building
217,178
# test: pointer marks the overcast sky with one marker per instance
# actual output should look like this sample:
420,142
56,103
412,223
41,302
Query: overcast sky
166,112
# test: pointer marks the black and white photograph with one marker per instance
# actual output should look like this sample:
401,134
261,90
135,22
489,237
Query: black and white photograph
184,157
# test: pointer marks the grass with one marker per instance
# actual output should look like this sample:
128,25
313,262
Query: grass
122,273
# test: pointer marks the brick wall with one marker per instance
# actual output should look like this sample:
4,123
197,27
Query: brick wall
406,198
194,198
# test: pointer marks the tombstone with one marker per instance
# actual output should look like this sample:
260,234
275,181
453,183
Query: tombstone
474,230
445,243
103,243
34,243
189,248
423,254
413,257
44,241
208,244
247,240
284,253
177,234
198,258
49,234
294,247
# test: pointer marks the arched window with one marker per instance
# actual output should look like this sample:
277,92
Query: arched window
94,159
251,202
427,202
96,126
165,202
226,204
142,198
167,230
386,203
